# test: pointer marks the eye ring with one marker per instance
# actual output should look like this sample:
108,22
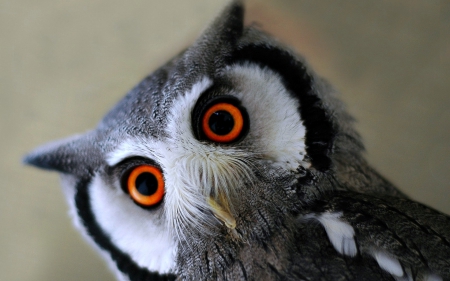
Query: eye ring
145,185
223,108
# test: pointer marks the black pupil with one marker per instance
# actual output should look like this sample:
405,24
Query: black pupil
221,122
146,184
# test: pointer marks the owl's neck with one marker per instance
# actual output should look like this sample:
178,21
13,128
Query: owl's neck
224,258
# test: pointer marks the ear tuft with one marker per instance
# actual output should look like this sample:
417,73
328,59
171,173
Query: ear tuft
75,155
229,25
224,31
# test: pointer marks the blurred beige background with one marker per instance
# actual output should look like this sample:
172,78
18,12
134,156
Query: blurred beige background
63,64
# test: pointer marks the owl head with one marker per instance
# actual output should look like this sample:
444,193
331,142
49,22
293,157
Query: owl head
215,151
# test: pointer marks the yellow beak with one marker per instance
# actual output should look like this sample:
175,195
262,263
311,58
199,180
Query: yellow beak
222,211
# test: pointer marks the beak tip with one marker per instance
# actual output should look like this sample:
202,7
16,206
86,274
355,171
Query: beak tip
223,215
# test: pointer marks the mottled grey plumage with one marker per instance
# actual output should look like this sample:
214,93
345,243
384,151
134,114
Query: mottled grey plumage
292,199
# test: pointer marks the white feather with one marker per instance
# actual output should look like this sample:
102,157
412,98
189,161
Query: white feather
340,233
68,183
277,131
388,263
137,232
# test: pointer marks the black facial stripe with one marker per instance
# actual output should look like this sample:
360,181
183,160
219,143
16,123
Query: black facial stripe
320,131
124,263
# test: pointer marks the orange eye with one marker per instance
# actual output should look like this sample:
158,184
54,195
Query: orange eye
222,122
146,185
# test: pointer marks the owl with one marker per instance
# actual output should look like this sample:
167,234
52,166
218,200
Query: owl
235,161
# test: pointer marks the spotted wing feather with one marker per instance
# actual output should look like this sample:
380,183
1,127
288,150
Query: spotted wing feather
406,238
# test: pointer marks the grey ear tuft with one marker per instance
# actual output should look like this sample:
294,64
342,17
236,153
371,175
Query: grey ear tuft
229,25
223,32
74,155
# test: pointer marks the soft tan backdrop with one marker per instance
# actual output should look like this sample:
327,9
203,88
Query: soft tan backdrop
63,64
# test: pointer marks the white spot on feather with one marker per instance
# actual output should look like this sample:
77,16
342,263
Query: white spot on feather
388,263
340,233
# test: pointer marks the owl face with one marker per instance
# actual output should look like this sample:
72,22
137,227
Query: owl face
208,185
222,144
